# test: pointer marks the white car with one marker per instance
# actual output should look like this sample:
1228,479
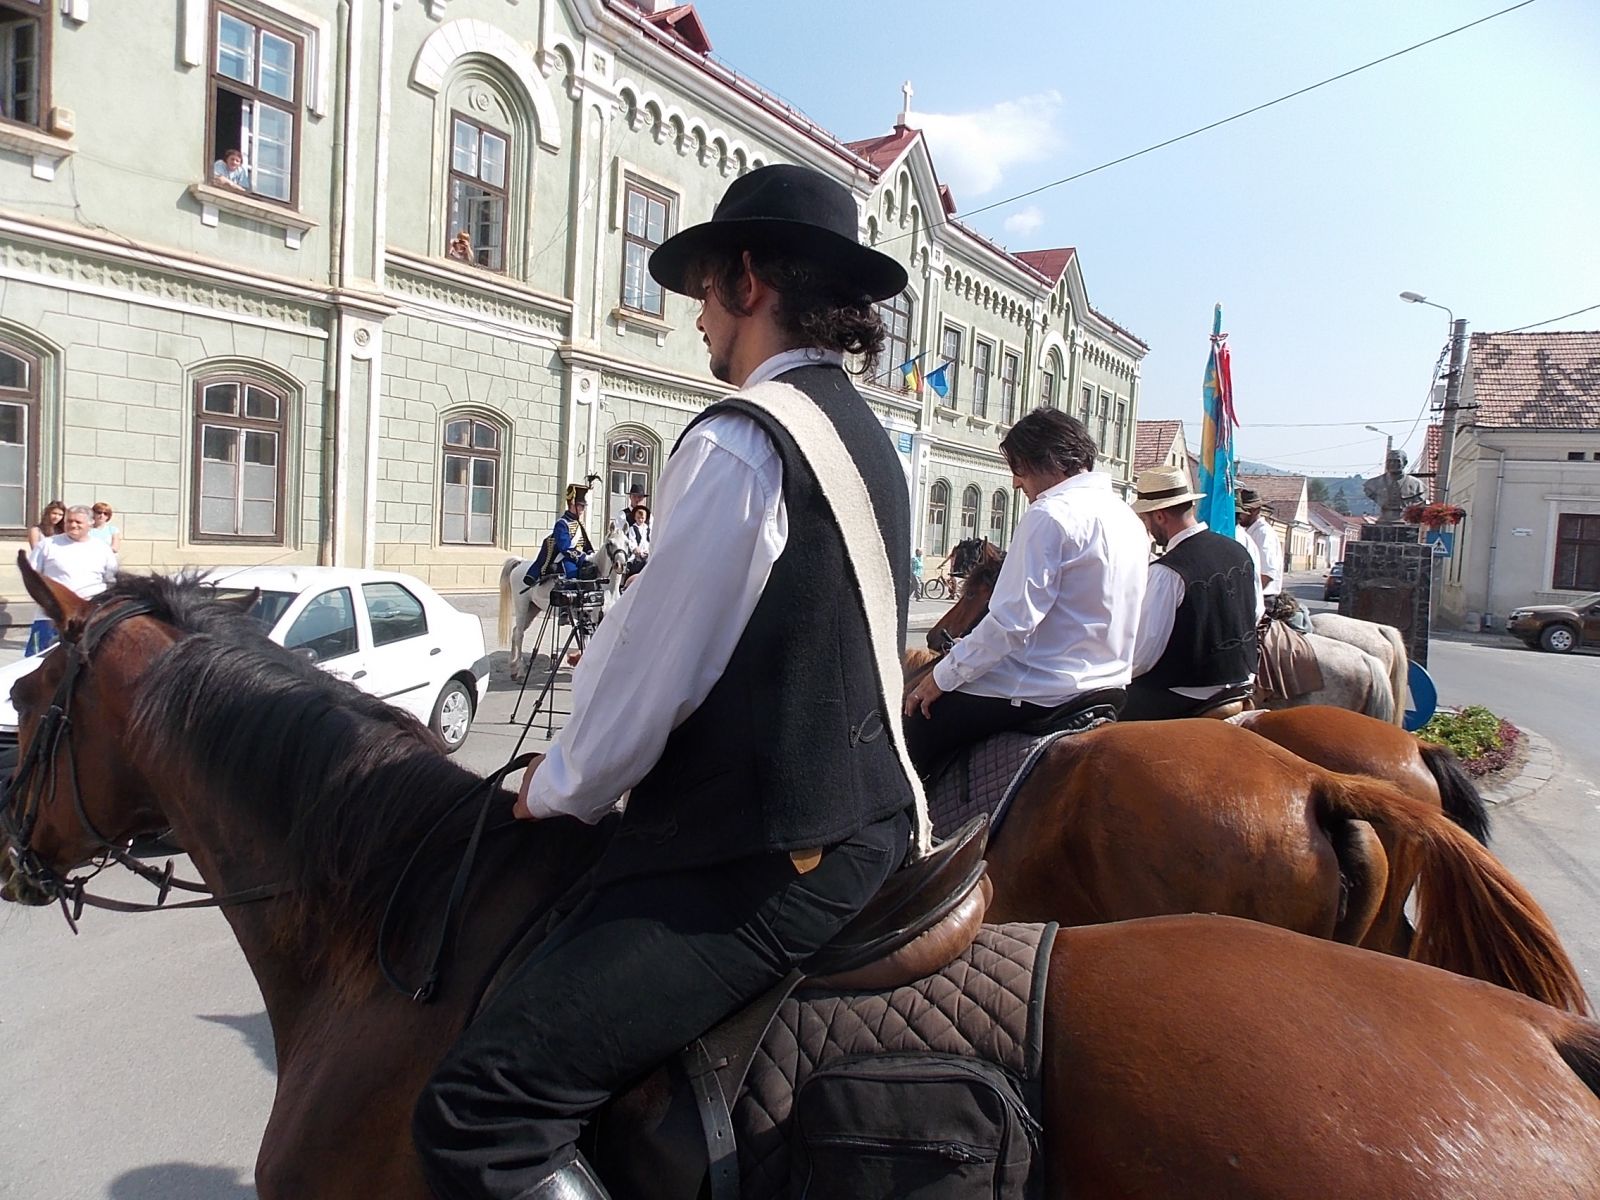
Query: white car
391,635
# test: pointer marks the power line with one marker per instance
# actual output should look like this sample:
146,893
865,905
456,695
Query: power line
1551,320
1172,141
1303,424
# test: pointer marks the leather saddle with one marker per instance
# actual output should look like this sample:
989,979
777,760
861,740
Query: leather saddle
1228,703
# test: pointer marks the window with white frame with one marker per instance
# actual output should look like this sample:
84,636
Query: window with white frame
24,62
646,223
471,496
239,459
950,359
1010,366
19,438
982,366
256,106
479,172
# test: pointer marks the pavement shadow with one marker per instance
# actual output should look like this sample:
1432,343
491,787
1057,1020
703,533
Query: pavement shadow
181,1181
256,1031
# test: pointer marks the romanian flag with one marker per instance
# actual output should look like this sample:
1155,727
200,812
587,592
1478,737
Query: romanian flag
912,374
1216,437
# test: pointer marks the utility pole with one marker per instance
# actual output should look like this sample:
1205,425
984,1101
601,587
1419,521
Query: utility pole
1452,397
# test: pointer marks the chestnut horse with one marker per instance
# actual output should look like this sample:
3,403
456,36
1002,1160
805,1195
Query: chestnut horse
1189,816
1185,1056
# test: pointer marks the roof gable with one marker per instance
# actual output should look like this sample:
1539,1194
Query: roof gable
685,23
1049,263
1283,492
1543,380
1152,442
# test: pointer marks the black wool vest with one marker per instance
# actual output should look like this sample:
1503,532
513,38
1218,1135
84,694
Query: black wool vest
1214,633
790,750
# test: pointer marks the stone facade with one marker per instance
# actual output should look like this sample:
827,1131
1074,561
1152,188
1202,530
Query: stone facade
1388,578
297,369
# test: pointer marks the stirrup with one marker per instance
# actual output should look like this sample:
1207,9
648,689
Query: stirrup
575,1181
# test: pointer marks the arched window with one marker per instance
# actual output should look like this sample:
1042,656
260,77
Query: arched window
970,499
896,313
19,438
630,463
938,506
472,473
239,459
998,503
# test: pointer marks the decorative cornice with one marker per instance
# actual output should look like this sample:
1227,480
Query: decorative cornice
635,388
953,454
475,293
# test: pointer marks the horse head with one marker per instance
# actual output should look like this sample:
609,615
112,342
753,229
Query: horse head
71,800
973,602
616,551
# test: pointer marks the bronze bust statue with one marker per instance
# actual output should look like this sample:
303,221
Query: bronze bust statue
1394,491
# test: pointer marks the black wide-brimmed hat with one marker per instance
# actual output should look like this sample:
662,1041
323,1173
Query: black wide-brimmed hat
783,207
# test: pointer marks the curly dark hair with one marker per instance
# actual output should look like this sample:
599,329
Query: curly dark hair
1047,439
815,308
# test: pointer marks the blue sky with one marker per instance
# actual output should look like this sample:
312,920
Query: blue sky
1468,171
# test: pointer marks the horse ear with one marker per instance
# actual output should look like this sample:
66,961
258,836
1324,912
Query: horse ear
60,603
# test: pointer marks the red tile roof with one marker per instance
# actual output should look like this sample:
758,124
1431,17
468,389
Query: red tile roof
685,22
1537,380
1429,465
1326,517
881,152
1152,442
1049,263
1282,492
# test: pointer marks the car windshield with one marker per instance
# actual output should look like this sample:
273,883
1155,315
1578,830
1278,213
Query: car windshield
268,607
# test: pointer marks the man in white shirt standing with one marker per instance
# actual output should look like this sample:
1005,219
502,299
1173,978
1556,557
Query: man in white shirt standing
1061,623
74,559
770,794
1253,520
1197,628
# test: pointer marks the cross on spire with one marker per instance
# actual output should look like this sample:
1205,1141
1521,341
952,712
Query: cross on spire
906,90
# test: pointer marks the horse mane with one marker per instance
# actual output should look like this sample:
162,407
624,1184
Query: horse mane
349,783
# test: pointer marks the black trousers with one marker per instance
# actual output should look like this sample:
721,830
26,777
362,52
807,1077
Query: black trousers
957,720
1158,704
636,973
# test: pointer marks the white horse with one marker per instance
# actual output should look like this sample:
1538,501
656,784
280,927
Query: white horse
1351,678
520,603
1383,642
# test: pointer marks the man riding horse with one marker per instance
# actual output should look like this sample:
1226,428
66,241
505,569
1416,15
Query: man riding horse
770,794
567,548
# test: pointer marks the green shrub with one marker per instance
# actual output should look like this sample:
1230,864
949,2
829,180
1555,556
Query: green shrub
1472,732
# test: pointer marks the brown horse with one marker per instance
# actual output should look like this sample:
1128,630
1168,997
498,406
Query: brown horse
1190,816
1189,1056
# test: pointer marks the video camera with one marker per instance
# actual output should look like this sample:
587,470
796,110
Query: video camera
579,600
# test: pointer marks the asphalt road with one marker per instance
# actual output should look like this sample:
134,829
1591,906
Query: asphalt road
136,1059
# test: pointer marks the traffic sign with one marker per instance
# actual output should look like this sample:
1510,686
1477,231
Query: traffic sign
1424,697
1443,542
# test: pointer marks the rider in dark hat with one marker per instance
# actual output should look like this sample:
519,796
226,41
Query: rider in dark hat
756,650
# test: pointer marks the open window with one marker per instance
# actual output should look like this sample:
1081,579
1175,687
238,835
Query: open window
257,107
24,62
479,171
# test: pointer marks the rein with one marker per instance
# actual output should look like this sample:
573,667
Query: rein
36,778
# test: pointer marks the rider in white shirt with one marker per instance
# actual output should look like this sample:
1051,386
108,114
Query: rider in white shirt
1253,519
1065,610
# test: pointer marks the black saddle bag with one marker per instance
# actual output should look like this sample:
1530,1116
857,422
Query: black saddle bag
932,1126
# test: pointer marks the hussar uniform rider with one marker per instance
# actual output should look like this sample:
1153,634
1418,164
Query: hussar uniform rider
567,547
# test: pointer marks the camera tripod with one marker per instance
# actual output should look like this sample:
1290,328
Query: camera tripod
580,628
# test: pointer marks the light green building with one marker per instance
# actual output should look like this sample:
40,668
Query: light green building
413,306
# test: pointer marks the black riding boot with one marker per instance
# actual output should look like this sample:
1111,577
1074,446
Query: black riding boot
575,1181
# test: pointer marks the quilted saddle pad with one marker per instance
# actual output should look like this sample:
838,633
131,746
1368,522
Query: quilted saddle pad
983,778
986,1004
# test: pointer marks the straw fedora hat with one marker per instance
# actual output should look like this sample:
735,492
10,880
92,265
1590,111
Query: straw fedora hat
1163,487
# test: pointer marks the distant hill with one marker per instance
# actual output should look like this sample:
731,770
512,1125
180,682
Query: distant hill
1246,467
1348,486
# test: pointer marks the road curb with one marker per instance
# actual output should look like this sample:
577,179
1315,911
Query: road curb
1542,764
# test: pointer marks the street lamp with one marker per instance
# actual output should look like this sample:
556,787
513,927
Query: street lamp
1452,394
1388,443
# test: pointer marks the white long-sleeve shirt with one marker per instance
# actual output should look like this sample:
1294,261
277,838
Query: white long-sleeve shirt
1162,597
1271,549
86,567
720,524
1065,609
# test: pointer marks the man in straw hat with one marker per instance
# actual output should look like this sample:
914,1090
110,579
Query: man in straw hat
1197,629
770,794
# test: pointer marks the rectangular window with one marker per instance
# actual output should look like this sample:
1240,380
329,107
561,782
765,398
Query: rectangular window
1086,405
24,61
478,173
1122,418
1577,553
1047,390
19,401
896,315
950,353
255,107
646,224
471,476
1104,421
240,426
1010,364
982,365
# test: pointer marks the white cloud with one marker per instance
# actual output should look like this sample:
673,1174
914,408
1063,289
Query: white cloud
1026,222
973,150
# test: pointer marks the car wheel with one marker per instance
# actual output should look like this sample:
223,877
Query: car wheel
1558,639
452,715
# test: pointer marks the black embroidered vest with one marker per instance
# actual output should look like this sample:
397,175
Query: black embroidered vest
1214,633
789,750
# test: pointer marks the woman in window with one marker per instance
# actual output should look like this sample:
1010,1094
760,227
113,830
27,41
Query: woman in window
52,520
103,530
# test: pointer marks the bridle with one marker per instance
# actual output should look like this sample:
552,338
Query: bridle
23,798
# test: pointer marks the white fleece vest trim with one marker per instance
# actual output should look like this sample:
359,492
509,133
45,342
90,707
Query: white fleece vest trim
846,495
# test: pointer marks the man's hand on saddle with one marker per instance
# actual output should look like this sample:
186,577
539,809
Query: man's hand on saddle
923,695
519,810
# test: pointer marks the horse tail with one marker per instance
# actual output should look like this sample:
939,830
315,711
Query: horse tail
1399,672
507,608
1473,917
1579,1047
1380,696
1462,801
1364,870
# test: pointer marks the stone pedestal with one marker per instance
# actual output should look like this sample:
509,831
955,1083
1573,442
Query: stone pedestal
1388,579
